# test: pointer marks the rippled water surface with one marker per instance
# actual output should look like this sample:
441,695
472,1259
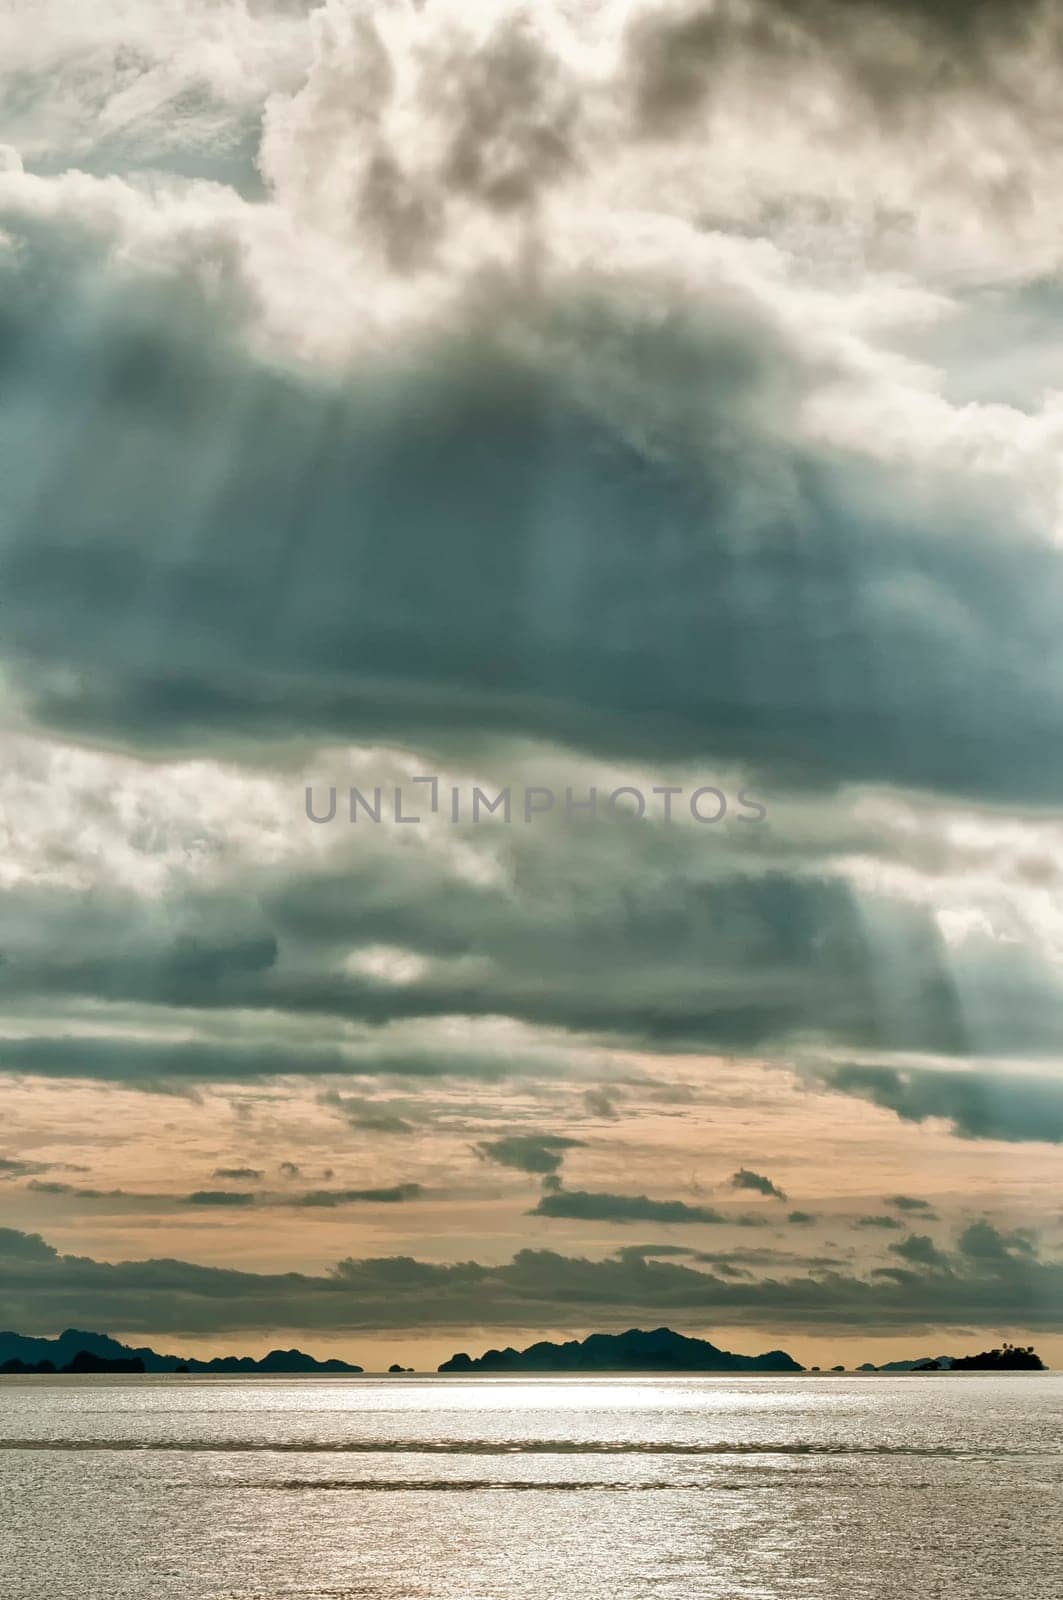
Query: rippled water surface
949,1488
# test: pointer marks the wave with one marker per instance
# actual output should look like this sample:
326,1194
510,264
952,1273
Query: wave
467,1485
528,1447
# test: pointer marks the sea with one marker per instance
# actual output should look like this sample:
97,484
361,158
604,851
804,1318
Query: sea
946,1487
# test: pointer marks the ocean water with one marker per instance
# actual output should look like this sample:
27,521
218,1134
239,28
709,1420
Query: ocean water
182,1488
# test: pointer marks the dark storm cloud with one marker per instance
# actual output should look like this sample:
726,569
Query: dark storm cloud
671,955
541,1153
201,554
992,1287
679,954
635,937
363,554
147,1064
979,1104
745,1179
596,1206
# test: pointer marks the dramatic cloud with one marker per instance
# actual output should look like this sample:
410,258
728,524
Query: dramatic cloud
574,349
928,594
701,949
653,394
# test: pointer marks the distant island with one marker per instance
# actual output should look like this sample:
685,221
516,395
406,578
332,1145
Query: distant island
78,1351
634,1351
83,1361
1008,1358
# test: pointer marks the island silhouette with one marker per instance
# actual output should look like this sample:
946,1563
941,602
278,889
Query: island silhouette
78,1351
633,1351
1006,1358
658,1350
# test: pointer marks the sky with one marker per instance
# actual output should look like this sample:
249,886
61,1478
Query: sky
636,398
